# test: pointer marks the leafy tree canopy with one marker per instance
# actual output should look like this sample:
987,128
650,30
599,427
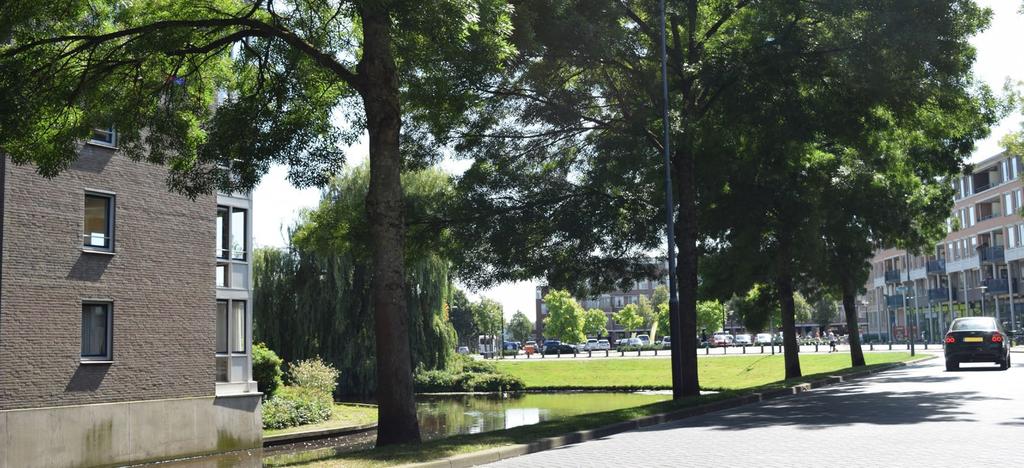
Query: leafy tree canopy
595,323
565,318
520,327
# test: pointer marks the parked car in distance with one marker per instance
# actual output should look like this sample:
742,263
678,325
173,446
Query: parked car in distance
743,339
666,341
645,339
719,340
550,343
763,339
462,350
560,348
603,345
635,342
591,345
976,339
530,347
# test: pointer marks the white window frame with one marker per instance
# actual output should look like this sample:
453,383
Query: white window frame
109,142
226,258
111,216
971,213
230,354
1008,202
109,356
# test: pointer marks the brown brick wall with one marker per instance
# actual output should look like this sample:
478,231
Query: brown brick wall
160,280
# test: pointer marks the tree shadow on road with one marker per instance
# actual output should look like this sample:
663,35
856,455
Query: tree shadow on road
847,405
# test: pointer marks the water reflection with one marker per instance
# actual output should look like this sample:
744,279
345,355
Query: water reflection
443,416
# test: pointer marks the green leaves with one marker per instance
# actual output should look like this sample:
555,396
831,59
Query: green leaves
565,320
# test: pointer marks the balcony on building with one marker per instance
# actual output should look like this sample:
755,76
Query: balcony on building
991,254
997,286
892,276
989,209
936,266
940,295
894,302
986,178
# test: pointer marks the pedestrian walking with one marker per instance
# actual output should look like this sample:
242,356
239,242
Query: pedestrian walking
831,341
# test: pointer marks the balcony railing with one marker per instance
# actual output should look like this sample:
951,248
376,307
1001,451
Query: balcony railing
892,276
996,286
936,267
992,254
894,302
938,294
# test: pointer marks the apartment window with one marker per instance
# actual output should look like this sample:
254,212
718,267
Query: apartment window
97,324
971,211
99,221
1012,236
1017,198
232,346
619,301
232,248
1008,203
104,137
1004,173
231,233
1013,167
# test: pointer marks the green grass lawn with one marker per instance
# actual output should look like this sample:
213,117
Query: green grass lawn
718,373
343,415
741,375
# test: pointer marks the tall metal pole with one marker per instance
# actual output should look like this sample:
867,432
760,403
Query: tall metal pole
674,320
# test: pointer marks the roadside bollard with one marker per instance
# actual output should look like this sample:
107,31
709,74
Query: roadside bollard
762,349
606,353
815,347
590,353
559,351
725,349
655,352
622,352
707,349
638,351
872,346
890,346
744,349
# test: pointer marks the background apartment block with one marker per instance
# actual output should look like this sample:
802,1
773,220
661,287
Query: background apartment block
975,270
124,332
609,303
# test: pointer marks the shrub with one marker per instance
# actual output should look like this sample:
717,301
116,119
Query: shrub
435,381
315,374
296,406
464,363
266,369
492,383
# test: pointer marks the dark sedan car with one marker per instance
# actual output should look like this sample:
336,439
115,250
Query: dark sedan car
976,339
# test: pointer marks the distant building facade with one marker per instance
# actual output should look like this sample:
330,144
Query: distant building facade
609,303
125,316
975,270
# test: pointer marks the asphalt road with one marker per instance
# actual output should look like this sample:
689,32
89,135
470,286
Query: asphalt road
920,415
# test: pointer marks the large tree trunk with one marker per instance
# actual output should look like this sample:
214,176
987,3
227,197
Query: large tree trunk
853,330
396,413
686,269
784,285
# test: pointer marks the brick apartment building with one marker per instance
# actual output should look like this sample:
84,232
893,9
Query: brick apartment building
975,270
124,333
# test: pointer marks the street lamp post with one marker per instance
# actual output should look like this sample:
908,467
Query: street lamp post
906,316
675,320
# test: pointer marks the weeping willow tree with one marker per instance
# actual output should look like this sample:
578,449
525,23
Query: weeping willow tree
314,297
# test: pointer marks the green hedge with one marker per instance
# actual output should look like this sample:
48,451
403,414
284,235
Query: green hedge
296,406
447,381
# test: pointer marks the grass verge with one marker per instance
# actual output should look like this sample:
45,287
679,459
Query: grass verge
457,445
720,373
343,415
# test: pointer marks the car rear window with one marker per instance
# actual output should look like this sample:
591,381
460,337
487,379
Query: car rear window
977,324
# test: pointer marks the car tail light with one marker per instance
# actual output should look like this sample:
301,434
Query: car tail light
997,338
950,339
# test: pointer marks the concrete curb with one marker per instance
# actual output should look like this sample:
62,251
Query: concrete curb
282,439
548,443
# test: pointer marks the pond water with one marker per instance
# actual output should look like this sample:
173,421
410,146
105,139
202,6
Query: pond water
447,415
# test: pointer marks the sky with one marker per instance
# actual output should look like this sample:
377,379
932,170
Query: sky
276,203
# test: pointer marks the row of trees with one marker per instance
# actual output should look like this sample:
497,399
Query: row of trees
804,134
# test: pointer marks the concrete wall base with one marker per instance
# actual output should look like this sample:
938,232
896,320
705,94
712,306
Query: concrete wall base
128,432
